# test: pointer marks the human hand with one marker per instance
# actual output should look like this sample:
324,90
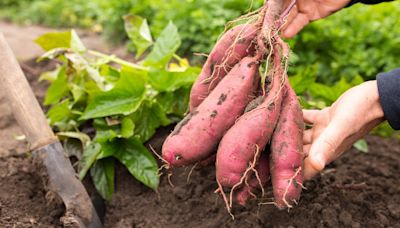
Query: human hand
336,128
306,11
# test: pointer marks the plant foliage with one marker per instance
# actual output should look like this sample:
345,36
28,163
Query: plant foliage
113,106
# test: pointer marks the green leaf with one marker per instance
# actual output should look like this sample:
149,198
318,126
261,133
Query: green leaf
109,73
52,54
147,119
50,76
361,145
105,132
176,102
127,127
137,159
100,81
58,89
79,63
75,43
73,147
138,32
90,154
124,98
303,80
59,112
384,130
103,173
92,88
84,138
165,81
67,39
164,48
332,93
53,40
142,123
77,92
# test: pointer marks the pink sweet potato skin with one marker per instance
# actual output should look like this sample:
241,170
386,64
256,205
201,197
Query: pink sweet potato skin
286,159
250,133
198,134
213,71
262,168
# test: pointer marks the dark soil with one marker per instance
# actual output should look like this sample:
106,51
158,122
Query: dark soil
358,190
23,200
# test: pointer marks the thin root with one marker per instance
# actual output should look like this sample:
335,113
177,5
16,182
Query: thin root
165,166
221,190
245,174
169,180
190,173
159,156
302,186
200,54
259,181
249,187
268,203
288,186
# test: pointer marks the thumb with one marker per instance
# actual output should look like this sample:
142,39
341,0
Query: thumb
322,151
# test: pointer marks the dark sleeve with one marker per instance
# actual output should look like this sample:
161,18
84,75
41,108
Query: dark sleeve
367,1
389,95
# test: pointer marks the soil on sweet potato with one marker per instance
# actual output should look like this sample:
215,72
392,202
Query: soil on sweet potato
357,190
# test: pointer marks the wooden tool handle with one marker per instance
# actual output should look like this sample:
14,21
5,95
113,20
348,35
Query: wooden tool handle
22,101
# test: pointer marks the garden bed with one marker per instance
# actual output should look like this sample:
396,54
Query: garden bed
358,190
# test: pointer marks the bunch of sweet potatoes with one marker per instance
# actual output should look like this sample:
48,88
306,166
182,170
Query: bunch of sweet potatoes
243,108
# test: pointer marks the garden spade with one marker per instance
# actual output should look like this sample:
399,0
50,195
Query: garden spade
52,163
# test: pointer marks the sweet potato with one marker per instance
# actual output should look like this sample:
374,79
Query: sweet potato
198,134
233,46
286,160
249,135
